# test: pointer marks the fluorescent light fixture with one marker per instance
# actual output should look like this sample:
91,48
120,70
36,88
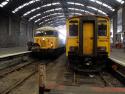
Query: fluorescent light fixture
103,4
76,13
100,11
54,14
24,5
74,3
33,17
120,1
57,17
84,11
38,8
4,3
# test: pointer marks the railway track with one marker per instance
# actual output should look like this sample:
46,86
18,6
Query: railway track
31,66
58,74
103,77
8,82
5,72
18,83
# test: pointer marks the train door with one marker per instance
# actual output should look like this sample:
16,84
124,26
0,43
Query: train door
88,31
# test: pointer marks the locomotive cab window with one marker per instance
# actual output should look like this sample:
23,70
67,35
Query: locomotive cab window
102,28
46,33
73,28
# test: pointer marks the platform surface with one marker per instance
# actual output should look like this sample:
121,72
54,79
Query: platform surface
4,52
118,55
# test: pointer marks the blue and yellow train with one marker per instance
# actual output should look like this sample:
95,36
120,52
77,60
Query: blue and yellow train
88,42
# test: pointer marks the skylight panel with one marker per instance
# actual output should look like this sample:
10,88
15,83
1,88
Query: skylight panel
47,5
24,5
54,14
33,17
76,13
37,20
62,17
100,11
27,13
4,3
103,4
57,21
51,10
120,1
38,8
89,12
73,3
76,9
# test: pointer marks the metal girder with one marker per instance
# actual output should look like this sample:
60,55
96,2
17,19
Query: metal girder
65,10
13,4
50,13
58,22
45,22
55,22
47,15
64,7
41,20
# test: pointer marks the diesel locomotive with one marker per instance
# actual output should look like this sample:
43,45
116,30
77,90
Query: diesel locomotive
47,41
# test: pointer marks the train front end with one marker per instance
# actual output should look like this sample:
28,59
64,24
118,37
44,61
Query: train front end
88,42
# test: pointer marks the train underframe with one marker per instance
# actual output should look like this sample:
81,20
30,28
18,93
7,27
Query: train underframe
47,53
39,52
84,63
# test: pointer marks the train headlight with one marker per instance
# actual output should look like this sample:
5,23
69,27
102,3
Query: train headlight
51,44
43,38
102,49
73,49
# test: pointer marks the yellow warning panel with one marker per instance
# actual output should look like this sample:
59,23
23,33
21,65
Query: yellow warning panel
88,38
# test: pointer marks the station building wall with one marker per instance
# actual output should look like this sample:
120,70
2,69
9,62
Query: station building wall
14,32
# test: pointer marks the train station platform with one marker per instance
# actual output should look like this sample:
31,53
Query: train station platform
118,55
5,52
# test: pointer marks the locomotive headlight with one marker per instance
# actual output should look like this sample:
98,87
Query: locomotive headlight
43,38
51,44
102,49
73,48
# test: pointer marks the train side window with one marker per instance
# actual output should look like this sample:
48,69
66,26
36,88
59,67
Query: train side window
102,29
73,29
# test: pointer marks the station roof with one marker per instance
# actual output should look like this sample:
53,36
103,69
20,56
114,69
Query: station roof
55,12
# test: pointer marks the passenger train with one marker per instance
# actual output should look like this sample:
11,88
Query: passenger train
88,42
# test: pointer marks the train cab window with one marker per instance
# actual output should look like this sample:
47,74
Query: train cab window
102,28
37,33
73,28
46,33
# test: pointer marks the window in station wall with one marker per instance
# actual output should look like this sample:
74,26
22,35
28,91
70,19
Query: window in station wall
62,30
119,36
111,31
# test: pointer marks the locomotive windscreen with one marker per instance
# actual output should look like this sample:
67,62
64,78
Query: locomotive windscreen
46,33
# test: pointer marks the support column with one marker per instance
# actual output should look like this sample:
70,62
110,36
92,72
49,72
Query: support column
123,19
114,27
